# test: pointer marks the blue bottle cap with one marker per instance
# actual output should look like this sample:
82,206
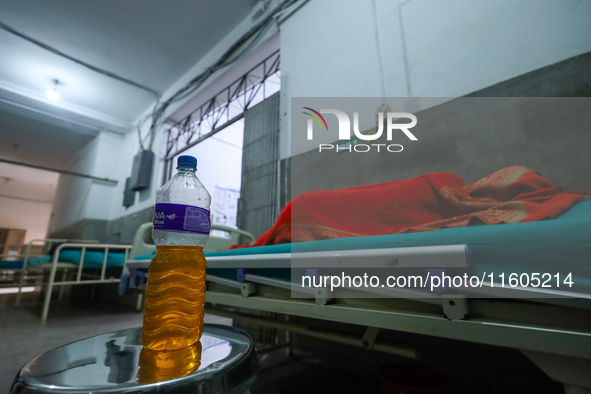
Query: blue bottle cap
187,161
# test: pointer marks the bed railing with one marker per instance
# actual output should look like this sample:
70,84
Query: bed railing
47,243
79,281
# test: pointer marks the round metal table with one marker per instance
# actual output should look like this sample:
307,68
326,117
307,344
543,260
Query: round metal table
223,361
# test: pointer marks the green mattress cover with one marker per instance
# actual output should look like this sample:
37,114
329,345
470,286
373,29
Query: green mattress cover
92,259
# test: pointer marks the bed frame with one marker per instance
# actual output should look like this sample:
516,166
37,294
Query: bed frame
82,278
26,253
555,333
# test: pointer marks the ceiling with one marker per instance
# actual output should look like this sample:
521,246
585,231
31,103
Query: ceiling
152,42
25,137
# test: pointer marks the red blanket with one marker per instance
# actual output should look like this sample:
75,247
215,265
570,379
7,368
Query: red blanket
425,203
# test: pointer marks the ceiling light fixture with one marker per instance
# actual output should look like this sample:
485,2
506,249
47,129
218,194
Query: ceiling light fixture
53,95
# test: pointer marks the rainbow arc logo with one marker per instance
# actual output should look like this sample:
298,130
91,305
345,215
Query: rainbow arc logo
315,118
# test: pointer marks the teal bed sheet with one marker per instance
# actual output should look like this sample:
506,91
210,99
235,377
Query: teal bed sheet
92,259
559,245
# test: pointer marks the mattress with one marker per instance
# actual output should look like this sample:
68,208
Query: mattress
92,259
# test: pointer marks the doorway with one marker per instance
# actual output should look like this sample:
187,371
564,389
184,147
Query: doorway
219,168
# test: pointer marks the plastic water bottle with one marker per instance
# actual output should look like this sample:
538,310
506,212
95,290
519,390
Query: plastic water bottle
175,297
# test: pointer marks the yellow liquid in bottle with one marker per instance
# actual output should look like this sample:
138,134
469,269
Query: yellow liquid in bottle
173,313
156,366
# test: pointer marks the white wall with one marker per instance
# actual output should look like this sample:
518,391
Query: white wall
423,48
72,192
107,156
26,197
80,198
457,47
106,164
27,215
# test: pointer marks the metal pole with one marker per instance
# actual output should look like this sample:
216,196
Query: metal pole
50,284
82,253
343,338
20,163
23,273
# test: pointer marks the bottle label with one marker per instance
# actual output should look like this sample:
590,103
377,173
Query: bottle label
183,218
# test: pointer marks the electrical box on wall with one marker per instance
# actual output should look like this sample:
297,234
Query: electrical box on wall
141,172
128,195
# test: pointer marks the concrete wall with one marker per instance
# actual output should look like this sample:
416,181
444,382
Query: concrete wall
470,137
123,229
72,192
81,199
514,122
83,207
422,48
83,229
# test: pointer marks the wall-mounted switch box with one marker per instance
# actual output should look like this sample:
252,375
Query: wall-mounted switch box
141,172
128,195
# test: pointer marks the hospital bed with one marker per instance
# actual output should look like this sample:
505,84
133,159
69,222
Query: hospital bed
88,259
31,258
551,327
92,262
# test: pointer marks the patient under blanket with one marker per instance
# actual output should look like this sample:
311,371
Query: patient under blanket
428,202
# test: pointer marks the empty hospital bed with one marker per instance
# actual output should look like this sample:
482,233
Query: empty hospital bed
33,258
555,322
88,259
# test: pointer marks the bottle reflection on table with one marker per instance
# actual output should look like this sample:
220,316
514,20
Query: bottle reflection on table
120,360
160,365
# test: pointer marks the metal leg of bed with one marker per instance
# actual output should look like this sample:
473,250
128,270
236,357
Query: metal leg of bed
49,288
78,280
339,337
48,242
64,277
23,275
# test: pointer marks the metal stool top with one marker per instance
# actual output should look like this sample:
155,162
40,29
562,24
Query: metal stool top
224,361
